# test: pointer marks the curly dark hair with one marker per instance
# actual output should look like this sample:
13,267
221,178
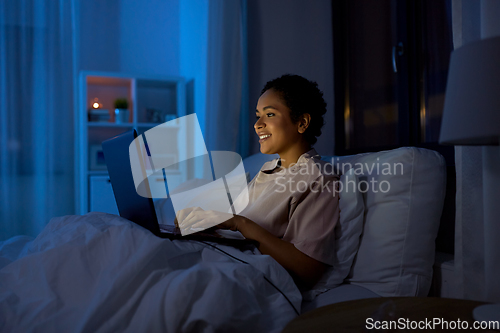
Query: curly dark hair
301,96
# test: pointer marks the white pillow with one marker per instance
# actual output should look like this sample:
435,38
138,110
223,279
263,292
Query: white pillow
347,234
349,228
402,212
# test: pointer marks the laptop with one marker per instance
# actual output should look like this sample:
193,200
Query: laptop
141,210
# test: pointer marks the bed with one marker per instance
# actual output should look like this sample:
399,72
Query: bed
101,273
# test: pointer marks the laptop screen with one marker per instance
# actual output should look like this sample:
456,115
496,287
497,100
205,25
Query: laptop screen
130,205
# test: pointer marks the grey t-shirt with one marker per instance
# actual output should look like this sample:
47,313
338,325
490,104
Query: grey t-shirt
299,204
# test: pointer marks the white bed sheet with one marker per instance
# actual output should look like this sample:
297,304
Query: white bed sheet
101,273
342,293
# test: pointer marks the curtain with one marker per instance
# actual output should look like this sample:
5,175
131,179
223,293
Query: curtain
36,114
472,21
469,255
227,77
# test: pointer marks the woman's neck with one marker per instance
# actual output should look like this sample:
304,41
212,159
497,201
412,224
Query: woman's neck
291,156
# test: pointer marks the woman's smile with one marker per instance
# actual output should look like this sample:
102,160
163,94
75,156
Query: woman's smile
263,137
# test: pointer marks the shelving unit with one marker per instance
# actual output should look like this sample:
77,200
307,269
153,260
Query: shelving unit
152,100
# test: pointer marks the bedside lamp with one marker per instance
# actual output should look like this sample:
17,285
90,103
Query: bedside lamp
471,116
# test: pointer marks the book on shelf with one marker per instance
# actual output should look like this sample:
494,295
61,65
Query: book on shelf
99,115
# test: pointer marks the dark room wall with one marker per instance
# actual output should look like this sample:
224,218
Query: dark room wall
150,38
291,37
130,36
99,34
284,36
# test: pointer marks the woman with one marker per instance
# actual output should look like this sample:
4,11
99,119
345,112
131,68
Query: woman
292,209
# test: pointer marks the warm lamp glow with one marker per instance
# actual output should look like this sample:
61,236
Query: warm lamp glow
96,104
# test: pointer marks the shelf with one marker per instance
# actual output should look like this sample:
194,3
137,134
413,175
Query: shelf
128,125
105,172
106,89
155,124
109,124
151,101
97,172
97,134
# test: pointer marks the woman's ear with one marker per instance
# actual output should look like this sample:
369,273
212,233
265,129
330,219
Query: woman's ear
304,122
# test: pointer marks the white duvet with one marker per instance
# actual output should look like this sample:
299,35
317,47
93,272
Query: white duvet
101,273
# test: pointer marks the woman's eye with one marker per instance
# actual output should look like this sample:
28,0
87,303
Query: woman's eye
270,114
257,117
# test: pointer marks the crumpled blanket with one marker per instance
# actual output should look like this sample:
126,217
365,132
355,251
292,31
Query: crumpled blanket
101,273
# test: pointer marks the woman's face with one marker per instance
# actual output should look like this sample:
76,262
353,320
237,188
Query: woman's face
277,133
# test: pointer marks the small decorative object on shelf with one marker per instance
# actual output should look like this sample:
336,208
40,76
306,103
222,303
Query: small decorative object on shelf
96,158
121,110
99,115
154,115
169,117
96,113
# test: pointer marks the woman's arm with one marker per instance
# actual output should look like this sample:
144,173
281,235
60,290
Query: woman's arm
305,270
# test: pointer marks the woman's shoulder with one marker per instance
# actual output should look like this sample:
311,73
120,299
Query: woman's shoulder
325,169
311,164
270,165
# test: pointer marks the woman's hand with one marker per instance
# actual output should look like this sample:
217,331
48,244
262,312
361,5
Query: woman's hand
233,223
196,219
305,270
183,213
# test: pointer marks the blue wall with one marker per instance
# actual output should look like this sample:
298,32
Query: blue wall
99,27
151,38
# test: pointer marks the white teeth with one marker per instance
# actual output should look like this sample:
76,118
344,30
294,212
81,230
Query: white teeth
264,136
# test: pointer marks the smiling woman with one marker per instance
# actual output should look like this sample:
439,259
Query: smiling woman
293,207
299,107
277,132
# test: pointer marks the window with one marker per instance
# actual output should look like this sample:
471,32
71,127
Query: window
391,62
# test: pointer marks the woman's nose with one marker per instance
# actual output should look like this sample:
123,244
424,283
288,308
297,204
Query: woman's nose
259,124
